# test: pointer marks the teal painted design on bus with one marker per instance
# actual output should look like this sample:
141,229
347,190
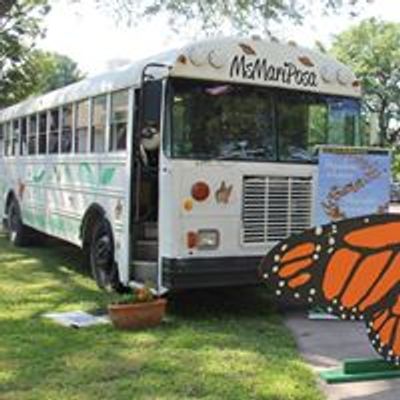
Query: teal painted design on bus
55,224
39,176
104,178
106,175
86,173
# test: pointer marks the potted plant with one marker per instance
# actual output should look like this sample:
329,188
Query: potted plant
137,309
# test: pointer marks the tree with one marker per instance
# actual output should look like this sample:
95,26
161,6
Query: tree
54,71
40,73
372,49
19,28
236,15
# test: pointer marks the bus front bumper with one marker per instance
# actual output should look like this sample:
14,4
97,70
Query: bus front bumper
193,273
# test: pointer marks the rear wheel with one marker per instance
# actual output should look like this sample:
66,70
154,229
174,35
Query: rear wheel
15,228
101,256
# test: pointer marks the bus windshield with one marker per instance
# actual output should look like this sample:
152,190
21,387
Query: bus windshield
224,121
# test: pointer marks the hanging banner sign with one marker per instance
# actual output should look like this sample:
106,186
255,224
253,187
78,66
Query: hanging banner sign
352,182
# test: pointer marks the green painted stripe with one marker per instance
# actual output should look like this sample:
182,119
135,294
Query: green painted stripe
359,370
366,365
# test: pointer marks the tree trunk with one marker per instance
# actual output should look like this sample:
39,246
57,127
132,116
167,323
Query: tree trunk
383,124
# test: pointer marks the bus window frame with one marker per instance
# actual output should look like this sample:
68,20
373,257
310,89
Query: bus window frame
21,149
50,131
92,150
70,105
275,93
1,140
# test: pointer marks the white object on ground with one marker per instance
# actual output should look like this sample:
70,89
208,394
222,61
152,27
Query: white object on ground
77,319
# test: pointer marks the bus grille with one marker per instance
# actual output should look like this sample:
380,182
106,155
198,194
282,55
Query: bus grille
275,207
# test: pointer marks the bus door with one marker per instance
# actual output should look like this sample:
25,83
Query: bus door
145,183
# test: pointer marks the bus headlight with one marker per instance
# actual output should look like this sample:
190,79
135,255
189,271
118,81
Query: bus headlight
207,239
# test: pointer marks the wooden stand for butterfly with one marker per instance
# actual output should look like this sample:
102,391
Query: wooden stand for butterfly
357,370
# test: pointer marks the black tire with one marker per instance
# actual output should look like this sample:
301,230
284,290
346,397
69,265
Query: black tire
16,230
101,256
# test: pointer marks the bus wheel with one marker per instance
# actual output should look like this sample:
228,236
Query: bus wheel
15,227
101,256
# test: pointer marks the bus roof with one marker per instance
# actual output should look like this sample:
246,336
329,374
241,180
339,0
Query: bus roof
252,61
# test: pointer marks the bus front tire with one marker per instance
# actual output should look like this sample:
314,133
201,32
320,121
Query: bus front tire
101,256
15,228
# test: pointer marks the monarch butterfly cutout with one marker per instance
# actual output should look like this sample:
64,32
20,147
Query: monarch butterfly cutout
351,268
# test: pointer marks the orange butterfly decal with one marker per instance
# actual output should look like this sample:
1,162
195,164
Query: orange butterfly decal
351,268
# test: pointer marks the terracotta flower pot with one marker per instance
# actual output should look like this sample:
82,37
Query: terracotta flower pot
137,315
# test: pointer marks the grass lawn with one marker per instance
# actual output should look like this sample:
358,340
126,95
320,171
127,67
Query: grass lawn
214,345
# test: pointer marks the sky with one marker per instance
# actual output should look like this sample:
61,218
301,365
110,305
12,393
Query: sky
98,42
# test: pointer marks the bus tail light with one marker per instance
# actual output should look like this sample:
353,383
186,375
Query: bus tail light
191,240
204,239
200,191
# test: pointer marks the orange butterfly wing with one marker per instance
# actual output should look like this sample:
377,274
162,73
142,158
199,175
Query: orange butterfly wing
351,267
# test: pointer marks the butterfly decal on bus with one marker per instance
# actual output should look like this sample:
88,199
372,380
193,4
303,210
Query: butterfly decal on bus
351,268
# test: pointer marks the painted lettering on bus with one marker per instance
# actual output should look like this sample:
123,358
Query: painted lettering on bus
259,68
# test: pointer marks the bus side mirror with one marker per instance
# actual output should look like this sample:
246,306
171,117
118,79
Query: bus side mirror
151,107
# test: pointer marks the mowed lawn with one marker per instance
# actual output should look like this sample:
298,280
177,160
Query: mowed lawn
225,344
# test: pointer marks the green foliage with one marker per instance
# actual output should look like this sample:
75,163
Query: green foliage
372,49
19,28
140,295
214,345
396,164
38,73
238,15
55,71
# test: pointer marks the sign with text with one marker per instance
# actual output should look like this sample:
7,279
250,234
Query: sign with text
352,182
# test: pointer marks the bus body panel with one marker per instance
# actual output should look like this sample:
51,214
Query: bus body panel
55,194
242,241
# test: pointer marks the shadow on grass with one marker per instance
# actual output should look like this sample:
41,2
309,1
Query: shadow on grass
220,343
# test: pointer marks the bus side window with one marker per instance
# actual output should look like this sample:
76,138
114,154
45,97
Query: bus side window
32,135
54,131
66,126
15,137
99,117
7,141
23,150
42,132
1,140
119,120
82,126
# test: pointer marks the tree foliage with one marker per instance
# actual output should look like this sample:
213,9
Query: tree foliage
236,15
39,73
372,49
54,71
19,28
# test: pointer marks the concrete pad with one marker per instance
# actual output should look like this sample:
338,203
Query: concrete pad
326,344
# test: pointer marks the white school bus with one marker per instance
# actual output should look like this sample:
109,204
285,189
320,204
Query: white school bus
181,170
